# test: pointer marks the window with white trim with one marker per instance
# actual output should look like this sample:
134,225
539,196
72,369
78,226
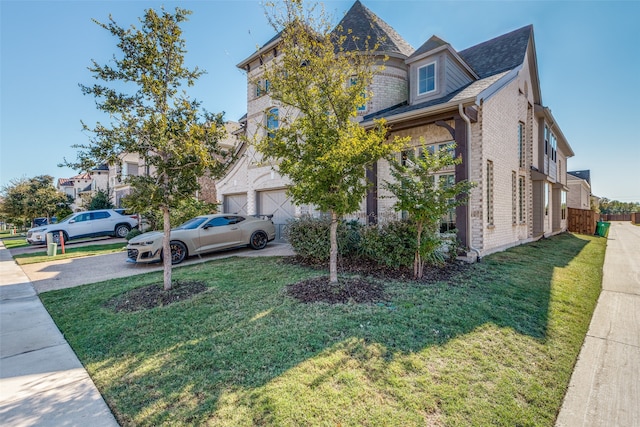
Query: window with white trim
427,78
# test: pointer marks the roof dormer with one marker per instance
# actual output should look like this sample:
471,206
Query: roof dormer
436,70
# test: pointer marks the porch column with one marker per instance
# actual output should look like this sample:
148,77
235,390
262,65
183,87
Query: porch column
460,136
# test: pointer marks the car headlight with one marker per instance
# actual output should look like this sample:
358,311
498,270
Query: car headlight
147,243
39,230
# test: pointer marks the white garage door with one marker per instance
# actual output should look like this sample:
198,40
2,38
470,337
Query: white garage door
235,203
276,202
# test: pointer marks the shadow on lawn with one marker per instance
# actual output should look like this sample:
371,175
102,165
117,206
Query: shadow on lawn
253,333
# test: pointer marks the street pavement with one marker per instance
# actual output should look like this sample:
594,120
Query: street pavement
605,386
42,382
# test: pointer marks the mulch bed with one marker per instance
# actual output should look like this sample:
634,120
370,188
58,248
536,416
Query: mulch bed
153,296
367,284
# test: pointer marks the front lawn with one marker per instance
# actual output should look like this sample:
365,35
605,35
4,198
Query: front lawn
70,252
495,345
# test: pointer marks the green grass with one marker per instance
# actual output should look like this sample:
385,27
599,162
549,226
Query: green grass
70,252
14,242
495,345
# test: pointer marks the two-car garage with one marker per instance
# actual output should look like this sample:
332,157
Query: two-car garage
268,202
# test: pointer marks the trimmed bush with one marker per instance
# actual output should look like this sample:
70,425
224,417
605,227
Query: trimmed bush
309,237
392,244
133,233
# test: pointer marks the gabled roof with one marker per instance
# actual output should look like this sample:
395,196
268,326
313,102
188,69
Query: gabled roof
433,43
502,53
65,182
364,24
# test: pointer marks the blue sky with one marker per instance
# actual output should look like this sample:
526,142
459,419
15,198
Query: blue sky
588,59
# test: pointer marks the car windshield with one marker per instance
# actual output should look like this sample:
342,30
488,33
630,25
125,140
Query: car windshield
65,219
192,223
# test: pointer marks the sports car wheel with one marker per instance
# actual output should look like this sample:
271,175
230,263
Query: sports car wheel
258,240
178,252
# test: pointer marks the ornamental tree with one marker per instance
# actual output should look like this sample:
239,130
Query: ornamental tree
318,143
27,198
425,200
151,116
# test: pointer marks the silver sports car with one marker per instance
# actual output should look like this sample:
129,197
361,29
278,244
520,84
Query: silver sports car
203,234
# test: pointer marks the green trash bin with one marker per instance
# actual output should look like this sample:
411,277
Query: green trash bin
598,228
605,229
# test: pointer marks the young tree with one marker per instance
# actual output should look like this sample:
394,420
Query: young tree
28,198
100,200
318,144
153,118
422,198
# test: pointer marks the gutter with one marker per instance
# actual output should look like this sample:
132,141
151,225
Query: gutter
468,136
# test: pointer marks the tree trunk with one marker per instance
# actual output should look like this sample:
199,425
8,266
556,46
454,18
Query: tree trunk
166,248
333,253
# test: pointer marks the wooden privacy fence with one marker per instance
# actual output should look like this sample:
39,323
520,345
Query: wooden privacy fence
615,217
633,217
582,221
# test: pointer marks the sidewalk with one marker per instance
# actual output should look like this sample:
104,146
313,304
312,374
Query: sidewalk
41,380
605,385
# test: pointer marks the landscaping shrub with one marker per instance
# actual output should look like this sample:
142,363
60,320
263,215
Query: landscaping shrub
133,233
392,244
309,237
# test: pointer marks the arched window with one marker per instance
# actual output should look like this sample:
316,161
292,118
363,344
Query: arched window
272,121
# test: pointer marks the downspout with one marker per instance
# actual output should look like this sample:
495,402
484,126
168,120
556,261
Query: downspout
468,143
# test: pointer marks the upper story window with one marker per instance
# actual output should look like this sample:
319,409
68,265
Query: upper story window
352,82
521,155
272,121
550,144
427,78
262,87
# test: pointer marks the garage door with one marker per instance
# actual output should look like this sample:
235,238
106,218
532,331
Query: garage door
235,203
276,202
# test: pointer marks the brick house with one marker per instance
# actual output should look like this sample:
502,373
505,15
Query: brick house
486,99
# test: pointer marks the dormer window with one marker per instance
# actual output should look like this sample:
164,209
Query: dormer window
427,78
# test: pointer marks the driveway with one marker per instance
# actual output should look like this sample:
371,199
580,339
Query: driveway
67,273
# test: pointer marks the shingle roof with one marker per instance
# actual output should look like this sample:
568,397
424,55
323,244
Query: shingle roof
364,24
586,175
499,54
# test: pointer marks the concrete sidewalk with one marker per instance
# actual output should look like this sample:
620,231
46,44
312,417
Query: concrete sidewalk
42,382
605,385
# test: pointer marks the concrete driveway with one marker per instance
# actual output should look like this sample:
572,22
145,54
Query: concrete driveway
67,273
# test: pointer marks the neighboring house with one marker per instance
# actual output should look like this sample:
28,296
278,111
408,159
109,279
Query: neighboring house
579,183
133,165
83,186
486,99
